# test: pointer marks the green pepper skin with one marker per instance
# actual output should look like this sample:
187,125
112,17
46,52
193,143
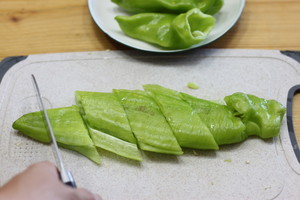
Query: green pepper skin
68,127
167,6
261,117
187,126
107,123
224,126
168,30
148,124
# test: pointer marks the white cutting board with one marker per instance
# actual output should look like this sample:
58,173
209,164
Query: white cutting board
254,169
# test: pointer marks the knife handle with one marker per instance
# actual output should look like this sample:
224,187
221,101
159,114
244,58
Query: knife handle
70,181
71,184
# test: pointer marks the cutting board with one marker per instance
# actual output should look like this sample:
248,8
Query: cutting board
254,169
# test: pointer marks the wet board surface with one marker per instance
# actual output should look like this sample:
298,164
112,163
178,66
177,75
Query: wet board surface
254,169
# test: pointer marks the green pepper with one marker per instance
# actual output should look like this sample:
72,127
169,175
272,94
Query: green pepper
168,30
261,117
189,130
148,124
167,6
68,127
214,7
107,123
224,126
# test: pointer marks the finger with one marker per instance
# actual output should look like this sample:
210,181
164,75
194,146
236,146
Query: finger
83,194
45,169
97,197
45,166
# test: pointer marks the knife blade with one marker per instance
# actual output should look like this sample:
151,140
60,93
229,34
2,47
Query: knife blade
65,175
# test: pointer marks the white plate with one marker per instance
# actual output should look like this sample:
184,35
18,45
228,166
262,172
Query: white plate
104,12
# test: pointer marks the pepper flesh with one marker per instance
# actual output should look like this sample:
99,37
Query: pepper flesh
148,124
68,127
167,6
168,30
224,126
107,123
261,117
187,126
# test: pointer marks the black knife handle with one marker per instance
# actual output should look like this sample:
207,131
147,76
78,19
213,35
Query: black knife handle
71,181
71,184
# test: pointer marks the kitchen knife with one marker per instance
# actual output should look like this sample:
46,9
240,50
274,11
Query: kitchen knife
65,175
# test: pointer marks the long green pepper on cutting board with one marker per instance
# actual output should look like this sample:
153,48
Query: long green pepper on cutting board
158,119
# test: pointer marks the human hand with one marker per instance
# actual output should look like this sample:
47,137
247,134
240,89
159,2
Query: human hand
41,181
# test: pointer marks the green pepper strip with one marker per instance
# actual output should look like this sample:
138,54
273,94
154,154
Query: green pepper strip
187,126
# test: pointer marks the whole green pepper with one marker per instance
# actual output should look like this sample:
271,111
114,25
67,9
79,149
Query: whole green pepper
68,127
261,117
168,30
170,6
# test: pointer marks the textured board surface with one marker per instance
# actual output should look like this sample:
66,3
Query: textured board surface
249,170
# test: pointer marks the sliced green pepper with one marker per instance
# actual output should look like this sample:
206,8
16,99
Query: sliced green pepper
107,123
261,117
148,124
104,112
167,6
68,126
225,127
187,126
115,145
168,30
